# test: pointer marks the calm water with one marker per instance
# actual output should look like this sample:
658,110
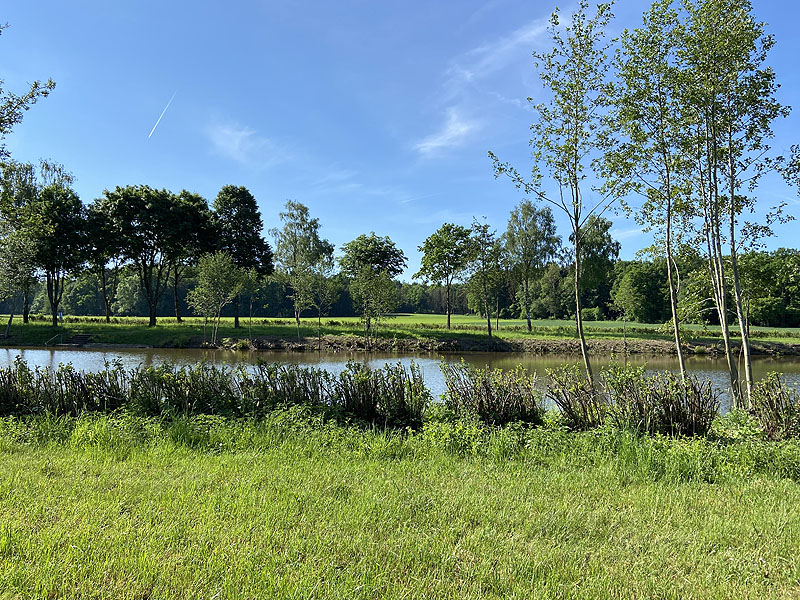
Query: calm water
91,359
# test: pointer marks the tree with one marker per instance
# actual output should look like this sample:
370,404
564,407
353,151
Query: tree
299,253
105,251
44,210
646,153
193,236
16,270
485,267
639,293
445,257
324,289
370,262
147,220
239,227
219,280
568,129
530,242
731,96
13,106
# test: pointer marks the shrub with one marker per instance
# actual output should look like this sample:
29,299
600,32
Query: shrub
497,397
776,407
583,406
661,403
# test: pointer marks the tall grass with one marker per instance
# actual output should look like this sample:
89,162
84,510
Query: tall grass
776,407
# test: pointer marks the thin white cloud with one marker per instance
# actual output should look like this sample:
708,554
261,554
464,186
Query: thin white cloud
244,145
452,134
493,56
624,234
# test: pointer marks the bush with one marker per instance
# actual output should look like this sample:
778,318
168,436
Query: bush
661,403
592,314
497,397
582,405
776,407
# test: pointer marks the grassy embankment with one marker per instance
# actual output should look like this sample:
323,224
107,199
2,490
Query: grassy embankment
402,328
292,506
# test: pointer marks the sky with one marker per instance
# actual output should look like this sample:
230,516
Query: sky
378,116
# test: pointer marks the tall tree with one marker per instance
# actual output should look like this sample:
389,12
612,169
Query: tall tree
105,244
44,210
485,267
530,242
445,256
732,97
371,262
646,152
13,106
146,219
239,228
194,236
299,252
568,129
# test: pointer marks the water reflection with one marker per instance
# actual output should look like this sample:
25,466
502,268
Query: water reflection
93,359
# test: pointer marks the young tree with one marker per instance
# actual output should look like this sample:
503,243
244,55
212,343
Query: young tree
239,227
299,251
324,289
485,267
219,280
530,243
730,94
371,262
646,153
13,106
567,131
16,270
445,257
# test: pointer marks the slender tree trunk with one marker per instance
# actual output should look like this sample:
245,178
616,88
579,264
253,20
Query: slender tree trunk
152,322
447,301
297,321
53,297
175,282
497,313
673,296
10,319
236,312
488,312
527,303
737,289
26,305
578,317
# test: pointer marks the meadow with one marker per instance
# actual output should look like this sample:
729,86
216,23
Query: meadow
296,506
466,328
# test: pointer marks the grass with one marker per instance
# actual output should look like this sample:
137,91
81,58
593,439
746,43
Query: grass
294,507
169,333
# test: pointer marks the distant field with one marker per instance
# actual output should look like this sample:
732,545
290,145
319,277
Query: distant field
134,330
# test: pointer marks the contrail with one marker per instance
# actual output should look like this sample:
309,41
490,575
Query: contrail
162,115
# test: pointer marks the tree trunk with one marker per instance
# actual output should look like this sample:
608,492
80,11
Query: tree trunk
673,297
578,316
527,303
447,302
175,296
737,289
26,305
152,322
107,302
488,312
8,325
52,296
236,312
297,321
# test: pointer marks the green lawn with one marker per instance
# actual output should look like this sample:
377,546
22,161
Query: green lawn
402,326
106,508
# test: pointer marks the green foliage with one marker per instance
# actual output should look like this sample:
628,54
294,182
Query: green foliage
239,226
776,407
494,396
581,406
219,281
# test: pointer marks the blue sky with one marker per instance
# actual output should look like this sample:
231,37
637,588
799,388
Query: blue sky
376,115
